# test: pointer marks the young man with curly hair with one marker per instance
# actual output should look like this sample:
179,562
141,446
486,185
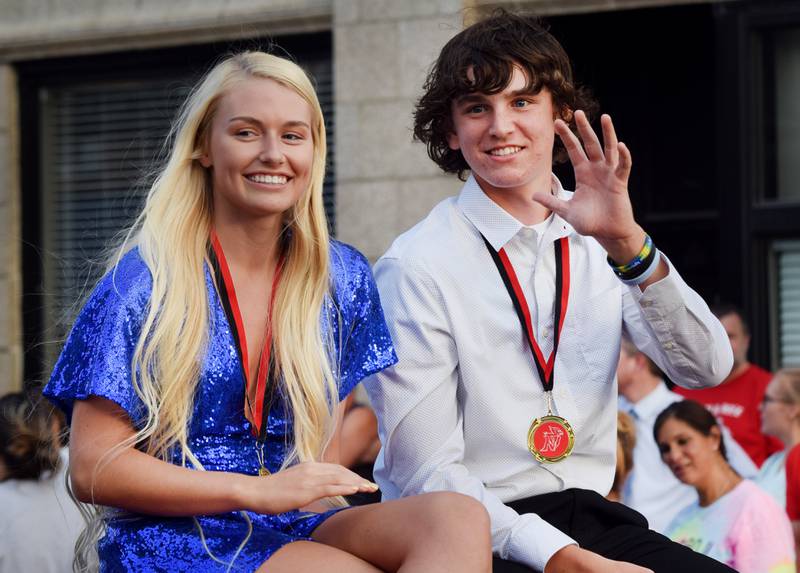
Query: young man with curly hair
507,304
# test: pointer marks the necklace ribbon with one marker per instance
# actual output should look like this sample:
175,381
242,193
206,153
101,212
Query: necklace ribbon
265,373
550,438
545,367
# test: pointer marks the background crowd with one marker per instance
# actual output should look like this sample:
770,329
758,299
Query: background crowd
715,469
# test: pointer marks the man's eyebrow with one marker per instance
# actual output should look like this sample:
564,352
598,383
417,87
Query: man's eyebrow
477,97
472,97
527,91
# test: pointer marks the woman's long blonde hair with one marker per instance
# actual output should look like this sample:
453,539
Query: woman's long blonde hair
172,234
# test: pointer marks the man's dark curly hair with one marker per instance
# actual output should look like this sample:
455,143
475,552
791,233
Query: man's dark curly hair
481,58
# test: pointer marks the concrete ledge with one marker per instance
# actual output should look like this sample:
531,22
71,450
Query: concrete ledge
151,23
558,7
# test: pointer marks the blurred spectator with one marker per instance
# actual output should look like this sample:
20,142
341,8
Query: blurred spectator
780,417
737,400
781,411
359,443
651,489
40,521
734,521
626,441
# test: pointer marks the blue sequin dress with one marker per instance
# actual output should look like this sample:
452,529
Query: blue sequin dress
96,362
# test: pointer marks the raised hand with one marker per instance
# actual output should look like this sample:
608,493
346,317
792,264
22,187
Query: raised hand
300,485
600,207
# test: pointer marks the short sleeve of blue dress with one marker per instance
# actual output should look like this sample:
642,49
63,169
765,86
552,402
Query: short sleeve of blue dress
358,326
97,355
96,361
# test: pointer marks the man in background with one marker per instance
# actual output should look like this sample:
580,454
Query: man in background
736,401
651,488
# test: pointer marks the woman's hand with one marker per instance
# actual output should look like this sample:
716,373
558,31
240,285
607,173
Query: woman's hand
299,486
135,481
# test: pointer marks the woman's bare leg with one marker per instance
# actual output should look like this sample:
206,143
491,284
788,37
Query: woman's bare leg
310,557
435,533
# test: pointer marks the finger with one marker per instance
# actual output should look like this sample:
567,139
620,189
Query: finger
571,143
590,141
330,489
556,205
340,475
623,169
344,490
609,139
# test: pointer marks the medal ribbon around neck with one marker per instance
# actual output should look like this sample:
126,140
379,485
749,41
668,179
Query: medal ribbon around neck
544,367
550,438
265,374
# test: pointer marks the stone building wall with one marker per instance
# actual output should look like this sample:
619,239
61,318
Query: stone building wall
381,52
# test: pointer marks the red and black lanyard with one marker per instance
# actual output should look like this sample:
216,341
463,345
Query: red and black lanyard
257,411
506,269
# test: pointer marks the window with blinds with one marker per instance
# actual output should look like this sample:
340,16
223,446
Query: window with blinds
787,290
98,141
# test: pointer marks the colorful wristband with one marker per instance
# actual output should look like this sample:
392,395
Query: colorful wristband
640,262
646,271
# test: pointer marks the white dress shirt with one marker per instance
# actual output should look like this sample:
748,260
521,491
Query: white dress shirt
651,488
455,411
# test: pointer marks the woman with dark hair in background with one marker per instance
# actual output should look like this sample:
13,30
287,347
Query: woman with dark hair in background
734,521
40,522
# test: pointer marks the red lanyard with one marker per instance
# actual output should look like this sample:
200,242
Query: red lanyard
506,269
265,375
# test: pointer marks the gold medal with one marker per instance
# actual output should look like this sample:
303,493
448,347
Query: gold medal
550,438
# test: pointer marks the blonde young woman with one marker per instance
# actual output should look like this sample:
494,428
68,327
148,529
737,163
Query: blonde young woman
203,376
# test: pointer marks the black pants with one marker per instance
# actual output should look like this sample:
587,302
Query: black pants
611,530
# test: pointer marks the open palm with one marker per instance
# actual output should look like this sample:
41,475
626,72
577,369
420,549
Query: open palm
600,206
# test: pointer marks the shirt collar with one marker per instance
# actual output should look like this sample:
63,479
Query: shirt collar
497,224
652,404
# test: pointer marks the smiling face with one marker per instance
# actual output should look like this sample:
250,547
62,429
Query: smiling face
688,453
506,138
260,150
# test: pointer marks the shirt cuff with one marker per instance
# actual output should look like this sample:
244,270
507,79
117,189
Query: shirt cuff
662,297
533,541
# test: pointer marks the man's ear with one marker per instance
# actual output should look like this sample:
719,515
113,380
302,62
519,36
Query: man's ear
453,142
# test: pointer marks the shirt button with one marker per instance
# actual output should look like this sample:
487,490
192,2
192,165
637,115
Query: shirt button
668,345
